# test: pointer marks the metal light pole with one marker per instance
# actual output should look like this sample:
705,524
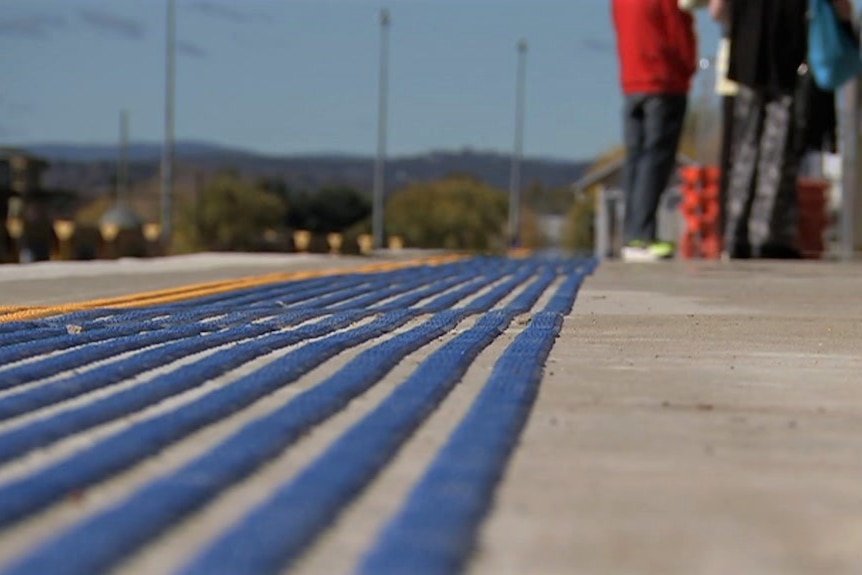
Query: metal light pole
515,179
850,221
168,147
123,160
380,162
851,180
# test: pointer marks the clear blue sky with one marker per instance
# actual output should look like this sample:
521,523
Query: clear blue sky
301,76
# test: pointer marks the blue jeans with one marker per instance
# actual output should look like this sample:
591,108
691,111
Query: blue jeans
652,126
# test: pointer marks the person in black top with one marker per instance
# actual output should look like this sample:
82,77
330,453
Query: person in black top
771,126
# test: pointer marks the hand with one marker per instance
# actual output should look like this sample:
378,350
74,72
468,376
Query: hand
718,10
844,9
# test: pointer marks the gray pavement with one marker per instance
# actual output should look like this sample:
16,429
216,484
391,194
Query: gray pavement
51,283
695,418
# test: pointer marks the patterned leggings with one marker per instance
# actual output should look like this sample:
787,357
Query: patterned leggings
762,205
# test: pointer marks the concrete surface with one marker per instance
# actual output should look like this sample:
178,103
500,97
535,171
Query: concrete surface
50,283
695,418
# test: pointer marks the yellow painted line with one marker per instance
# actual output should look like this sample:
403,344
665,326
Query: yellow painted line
519,253
187,292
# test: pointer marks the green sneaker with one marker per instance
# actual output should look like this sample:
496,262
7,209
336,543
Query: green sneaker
639,251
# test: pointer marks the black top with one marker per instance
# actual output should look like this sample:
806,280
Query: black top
768,42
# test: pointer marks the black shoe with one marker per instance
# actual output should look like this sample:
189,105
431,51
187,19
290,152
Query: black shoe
739,252
778,252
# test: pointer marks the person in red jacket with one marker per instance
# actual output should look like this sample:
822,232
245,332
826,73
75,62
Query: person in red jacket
658,56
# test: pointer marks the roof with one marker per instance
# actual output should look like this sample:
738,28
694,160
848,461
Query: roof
612,168
7,152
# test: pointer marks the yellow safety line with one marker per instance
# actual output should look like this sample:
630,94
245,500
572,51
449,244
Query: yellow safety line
172,295
519,253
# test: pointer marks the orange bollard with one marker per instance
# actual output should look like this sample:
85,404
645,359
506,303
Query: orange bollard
690,206
700,210
710,238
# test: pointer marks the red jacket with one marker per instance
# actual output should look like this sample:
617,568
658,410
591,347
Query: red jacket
656,45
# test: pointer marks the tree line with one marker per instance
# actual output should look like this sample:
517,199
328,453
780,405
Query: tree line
458,212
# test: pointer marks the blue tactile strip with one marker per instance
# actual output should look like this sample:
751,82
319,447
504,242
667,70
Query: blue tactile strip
302,324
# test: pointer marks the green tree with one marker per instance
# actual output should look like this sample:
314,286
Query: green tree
459,212
559,200
330,209
579,226
278,188
531,234
232,214
544,200
534,196
334,209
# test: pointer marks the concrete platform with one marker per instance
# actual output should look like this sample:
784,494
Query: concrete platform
694,418
48,283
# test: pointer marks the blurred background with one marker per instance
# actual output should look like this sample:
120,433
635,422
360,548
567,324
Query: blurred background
146,127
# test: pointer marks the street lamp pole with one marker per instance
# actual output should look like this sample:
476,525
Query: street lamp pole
380,162
168,147
850,228
515,178
123,164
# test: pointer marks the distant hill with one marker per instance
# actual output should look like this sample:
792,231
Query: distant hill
89,169
137,152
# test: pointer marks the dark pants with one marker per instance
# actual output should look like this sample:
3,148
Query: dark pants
762,206
652,125
727,105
